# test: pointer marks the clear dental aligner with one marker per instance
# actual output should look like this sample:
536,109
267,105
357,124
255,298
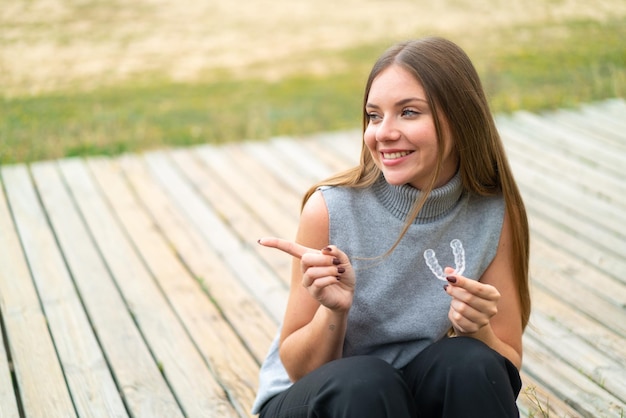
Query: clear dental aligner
459,260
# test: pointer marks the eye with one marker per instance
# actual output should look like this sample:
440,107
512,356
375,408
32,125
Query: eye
373,117
409,113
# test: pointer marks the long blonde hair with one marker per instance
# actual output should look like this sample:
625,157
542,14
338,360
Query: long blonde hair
455,94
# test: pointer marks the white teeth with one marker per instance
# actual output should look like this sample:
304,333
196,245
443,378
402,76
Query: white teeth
394,155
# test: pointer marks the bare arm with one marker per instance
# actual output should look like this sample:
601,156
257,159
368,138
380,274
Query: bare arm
490,310
322,285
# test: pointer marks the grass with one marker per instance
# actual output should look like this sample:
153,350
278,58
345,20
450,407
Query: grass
529,67
556,66
158,114
540,406
539,410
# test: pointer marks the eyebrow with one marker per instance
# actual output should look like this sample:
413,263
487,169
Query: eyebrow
400,102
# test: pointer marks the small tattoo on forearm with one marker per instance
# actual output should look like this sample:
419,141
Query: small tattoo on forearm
332,327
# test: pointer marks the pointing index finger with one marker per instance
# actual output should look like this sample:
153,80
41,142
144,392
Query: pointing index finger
291,248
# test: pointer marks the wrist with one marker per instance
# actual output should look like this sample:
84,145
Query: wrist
334,315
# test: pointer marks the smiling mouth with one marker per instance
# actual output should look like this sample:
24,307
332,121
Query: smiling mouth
395,155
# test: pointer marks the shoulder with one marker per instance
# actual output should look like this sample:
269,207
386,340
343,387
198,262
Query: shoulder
490,208
313,228
315,207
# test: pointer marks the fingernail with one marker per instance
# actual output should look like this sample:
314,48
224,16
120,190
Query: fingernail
445,287
336,261
337,277
327,249
341,270
451,279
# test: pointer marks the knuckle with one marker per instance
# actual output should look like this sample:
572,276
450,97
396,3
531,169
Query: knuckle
460,308
455,316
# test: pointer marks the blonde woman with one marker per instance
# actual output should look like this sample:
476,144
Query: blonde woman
409,291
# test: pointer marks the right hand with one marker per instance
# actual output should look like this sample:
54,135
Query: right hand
327,274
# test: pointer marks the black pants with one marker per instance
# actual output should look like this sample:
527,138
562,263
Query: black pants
455,377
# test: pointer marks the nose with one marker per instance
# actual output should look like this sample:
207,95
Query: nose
387,130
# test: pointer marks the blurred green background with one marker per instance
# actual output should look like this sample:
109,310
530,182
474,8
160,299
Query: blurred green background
106,77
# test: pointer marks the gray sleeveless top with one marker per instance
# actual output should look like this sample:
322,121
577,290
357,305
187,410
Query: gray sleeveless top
399,305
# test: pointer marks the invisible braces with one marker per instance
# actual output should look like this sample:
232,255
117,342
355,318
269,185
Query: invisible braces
459,260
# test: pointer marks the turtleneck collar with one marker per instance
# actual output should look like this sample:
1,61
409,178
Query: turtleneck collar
399,200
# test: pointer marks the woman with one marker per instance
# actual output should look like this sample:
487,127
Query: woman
368,330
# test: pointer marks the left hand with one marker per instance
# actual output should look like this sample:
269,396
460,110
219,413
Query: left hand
473,303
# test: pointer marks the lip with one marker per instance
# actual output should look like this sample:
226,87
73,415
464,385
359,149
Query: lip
398,156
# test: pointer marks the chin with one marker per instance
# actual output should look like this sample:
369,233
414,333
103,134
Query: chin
395,181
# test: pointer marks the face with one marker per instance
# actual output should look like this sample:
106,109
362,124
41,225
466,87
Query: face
401,134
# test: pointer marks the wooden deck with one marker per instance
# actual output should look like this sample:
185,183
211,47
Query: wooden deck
133,286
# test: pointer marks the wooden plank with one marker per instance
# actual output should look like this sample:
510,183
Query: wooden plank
604,254
257,277
86,372
586,238
583,395
228,361
168,343
604,125
179,360
243,312
135,371
605,263
300,161
570,197
616,108
566,142
535,401
286,202
345,144
594,123
582,356
258,174
612,109
594,330
39,375
333,159
582,296
256,204
610,240
7,392
228,193
588,180
281,169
